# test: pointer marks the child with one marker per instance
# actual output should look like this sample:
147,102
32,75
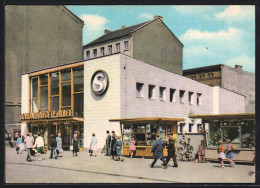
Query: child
221,154
230,153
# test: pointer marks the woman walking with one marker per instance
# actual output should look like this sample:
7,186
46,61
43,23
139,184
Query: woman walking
230,153
113,141
59,145
39,144
132,147
221,154
19,144
75,145
118,148
93,145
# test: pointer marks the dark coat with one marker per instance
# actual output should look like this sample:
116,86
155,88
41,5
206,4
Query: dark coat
113,152
53,143
158,148
75,144
170,147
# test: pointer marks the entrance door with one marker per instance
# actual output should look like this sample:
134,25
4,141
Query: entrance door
66,136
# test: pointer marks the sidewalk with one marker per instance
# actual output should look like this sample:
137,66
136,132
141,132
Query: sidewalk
101,169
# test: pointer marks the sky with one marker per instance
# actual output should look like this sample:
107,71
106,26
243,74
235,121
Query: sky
210,34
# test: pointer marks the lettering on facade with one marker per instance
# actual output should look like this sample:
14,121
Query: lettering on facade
46,115
99,82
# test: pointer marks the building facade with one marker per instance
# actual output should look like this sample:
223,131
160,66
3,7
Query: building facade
151,41
115,87
233,79
37,37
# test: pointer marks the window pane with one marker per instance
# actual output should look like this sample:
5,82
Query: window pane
44,79
66,94
44,97
55,104
127,134
162,131
78,105
55,83
231,133
215,133
34,82
78,79
248,134
65,75
34,105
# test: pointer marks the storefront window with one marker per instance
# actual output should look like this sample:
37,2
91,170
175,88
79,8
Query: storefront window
55,103
151,130
214,133
127,134
162,131
34,130
34,105
66,75
78,105
81,132
78,79
44,79
248,134
44,97
44,133
34,83
66,94
55,83
231,133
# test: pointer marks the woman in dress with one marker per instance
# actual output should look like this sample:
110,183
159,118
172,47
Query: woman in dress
75,145
93,145
39,143
230,153
118,148
132,147
221,154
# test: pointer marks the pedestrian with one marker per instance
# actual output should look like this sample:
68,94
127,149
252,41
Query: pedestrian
29,144
108,142
59,149
39,144
221,154
53,145
75,145
118,148
93,145
171,151
132,147
19,144
113,141
230,153
201,152
158,151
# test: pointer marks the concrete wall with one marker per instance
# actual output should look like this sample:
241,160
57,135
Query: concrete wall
37,37
235,79
156,45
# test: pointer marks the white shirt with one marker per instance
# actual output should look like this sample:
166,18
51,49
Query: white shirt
39,142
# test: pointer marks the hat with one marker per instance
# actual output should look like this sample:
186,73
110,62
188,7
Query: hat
220,142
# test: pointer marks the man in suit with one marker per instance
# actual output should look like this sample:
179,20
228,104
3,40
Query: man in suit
158,151
108,142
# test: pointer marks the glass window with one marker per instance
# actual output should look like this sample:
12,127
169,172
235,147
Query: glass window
78,79
102,51
55,104
127,134
172,95
199,126
211,74
44,79
162,93
78,105
139,89
34,105
182,127
44,97
66,94
163,130
55,83
190,97
126,45
231,133
34,83
248,134
95,52
199,102
66,74
214,133
190,127
182,96
81,132
110,49
118,47
151,92
88,54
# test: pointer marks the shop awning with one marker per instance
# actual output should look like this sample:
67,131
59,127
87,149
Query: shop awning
148,119
234,116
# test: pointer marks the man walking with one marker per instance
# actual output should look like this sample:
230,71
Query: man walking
29,145
108,142
53,145
171,152
158,151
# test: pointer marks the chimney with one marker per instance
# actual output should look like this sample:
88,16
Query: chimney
238,67
123,26
106,31
157,16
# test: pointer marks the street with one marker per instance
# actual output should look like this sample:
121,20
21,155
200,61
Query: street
101,169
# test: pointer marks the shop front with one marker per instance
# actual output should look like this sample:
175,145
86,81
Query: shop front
144,131
239,128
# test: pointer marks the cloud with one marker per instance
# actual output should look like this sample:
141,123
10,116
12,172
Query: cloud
146,16
193,9
235,13
94,26
248,63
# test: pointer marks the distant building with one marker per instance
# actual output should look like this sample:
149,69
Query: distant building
151,41
234,79
36,37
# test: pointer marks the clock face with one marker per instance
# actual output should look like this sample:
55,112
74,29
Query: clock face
99,82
